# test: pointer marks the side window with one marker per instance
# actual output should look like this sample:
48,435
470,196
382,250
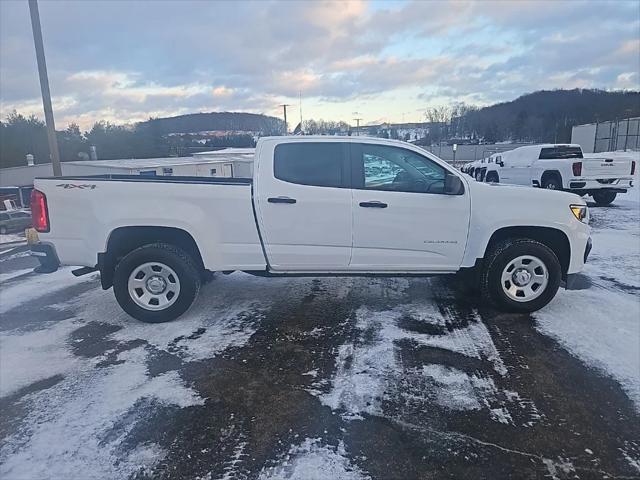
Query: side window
396,169
306,163
560,152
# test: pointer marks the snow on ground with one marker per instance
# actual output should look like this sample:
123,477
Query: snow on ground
368,371
29,357
601,325
12,238
14,274
36,286
313,461
75,429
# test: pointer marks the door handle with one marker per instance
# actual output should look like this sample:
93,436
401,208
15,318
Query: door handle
374,204
281,200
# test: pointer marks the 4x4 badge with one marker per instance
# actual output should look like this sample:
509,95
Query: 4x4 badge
74,185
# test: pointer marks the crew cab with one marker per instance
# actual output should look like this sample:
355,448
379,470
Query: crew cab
563,167
338,206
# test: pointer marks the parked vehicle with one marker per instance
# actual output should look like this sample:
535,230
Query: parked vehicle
337,206
13,221
563,167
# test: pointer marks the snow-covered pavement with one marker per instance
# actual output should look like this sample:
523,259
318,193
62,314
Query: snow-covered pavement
325,378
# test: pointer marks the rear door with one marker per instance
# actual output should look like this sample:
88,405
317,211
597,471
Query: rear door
304,205
519,166
402,220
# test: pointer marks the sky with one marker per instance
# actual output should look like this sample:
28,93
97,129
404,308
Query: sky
125,61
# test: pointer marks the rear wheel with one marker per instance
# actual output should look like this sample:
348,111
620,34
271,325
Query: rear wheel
552,182
604,198
492,177
156,282
520,275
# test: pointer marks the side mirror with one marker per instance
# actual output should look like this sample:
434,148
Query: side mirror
501,163
453,185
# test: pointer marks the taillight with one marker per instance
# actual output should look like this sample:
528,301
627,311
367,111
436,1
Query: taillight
633,167
39,211
577,169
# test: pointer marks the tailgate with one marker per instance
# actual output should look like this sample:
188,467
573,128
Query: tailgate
606,167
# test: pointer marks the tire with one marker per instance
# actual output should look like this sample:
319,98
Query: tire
604,198
503,256
166,265
493,178
552,182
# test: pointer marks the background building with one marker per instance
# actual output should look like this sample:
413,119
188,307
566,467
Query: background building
17,182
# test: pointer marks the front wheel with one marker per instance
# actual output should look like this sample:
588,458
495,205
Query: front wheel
520,275
156,282
604,197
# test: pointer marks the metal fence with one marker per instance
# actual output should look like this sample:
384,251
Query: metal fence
617,135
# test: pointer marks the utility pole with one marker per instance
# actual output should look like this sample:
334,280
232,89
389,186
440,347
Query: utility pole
44,87
357,126
284,106
301,129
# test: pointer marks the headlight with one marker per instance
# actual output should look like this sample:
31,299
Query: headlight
581,212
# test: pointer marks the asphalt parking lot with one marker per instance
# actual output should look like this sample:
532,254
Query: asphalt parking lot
325,378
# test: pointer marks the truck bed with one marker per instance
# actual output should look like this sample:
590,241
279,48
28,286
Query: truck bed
85,211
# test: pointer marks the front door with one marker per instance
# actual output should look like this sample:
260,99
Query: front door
402,219
304,206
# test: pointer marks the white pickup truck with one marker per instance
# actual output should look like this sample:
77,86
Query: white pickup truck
562,167
339,206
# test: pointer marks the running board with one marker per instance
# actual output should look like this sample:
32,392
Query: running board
78,272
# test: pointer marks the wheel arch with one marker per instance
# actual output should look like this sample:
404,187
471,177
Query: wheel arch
553,238
123,240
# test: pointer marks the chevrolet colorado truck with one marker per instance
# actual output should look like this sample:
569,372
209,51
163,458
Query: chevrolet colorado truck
562,167
316,206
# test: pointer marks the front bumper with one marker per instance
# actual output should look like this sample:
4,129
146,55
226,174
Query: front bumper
578,281
587,250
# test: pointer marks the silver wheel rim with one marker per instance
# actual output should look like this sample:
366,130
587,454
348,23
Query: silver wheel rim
154,286
524,278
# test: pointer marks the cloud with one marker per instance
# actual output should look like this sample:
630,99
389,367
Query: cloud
128,60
